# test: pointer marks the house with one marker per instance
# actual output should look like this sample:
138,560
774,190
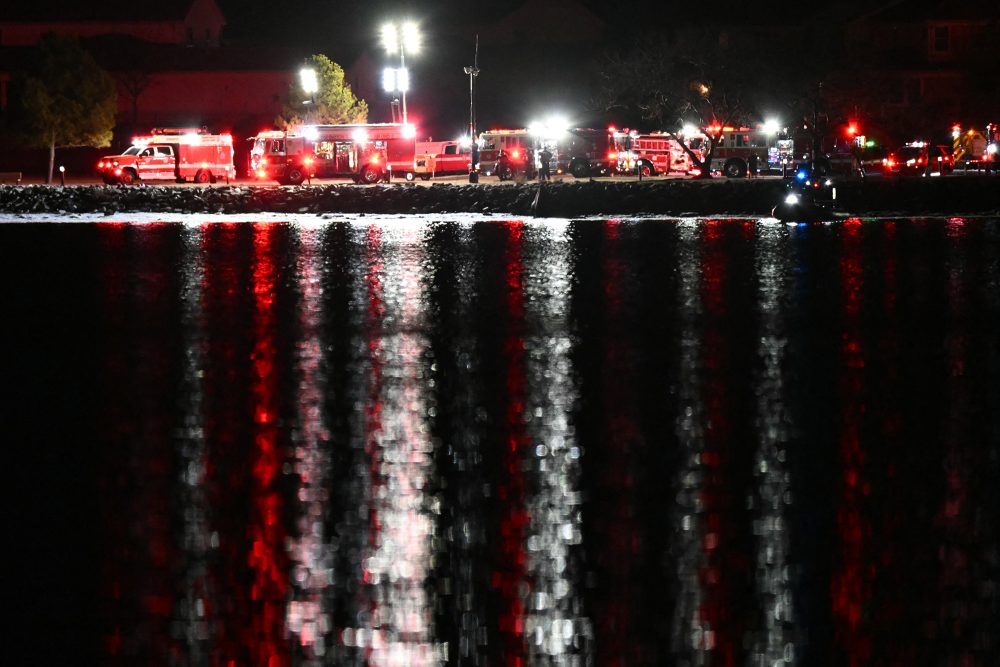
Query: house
179,22
935,61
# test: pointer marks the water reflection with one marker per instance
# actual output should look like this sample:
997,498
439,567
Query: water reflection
695,442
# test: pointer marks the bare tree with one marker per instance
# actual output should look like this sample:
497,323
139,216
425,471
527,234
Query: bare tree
678,80
134,83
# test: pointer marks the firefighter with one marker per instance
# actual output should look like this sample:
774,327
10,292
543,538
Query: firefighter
752,165
544,158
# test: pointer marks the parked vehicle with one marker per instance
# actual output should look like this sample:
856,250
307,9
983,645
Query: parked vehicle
365,153
172,154
652,154
493,142
515,163
919,158
440,158
584,152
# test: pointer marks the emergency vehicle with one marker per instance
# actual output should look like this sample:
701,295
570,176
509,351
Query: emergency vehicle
653,154
516,143
584,152
440,158
172,154
735,145
366,153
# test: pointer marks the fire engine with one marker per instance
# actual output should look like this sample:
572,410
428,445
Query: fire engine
652,154
366,153
515,143
174,154
440,158
585,152
735,145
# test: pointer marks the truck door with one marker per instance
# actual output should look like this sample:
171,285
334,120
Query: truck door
156,163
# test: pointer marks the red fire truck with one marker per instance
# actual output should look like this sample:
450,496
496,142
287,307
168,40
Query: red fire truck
513,142
172,154
366,153
652,154
584,152
440,158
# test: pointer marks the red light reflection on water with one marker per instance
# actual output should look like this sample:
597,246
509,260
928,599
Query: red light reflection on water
267,558
725,567
509,577
851,582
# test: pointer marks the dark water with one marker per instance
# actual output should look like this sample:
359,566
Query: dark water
503,443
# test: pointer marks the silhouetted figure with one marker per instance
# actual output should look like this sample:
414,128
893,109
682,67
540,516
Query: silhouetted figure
545,159
752,165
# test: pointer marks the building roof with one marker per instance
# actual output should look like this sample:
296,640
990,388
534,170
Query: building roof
107,11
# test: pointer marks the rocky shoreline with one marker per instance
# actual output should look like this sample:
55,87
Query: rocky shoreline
911,196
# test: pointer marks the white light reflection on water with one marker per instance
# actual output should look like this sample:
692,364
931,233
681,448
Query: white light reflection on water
772,646
310,554
555,628
691,635
196,534
398,556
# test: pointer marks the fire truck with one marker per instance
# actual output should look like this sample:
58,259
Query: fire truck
652,154
440,158
736,144
515,143
172,154
365,153
585,152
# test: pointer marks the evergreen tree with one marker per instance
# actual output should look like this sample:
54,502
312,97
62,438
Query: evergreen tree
333,103
64,99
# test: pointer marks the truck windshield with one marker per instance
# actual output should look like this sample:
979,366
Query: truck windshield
133,150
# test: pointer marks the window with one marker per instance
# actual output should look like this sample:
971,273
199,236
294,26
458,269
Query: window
451,149
941,39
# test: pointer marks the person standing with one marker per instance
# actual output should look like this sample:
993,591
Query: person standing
752,166
544,159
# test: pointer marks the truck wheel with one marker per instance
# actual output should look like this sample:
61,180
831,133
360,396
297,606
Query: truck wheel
646,169
370,175
505,173
202,176
734,169
294,176
127,177
580,169
425,177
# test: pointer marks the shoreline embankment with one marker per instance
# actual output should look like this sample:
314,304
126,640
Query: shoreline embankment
955,195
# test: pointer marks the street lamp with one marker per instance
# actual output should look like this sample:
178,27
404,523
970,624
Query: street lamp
473,72
403,38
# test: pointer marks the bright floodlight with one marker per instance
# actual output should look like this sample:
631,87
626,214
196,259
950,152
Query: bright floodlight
395,79
404,37
390,38
411,37
771,126
310,132
689,130
409,131
310,84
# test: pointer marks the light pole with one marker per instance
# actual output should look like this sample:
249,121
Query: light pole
403,38
473,72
